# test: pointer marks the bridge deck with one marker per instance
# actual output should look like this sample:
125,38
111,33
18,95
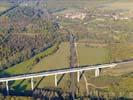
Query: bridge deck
55,72
60,71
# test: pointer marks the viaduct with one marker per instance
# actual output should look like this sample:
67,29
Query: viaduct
59,72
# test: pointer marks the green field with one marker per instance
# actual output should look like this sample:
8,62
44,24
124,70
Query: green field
4,6
93,51
27,66
60,59
92,55
73,4
121,4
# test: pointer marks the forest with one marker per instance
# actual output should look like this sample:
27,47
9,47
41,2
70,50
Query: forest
36,37
23,38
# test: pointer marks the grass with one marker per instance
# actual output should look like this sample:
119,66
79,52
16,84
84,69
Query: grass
26,66
121,75
77,4
103,81
4,6
121,4
58,60
87,55
127,84
123,84
92,55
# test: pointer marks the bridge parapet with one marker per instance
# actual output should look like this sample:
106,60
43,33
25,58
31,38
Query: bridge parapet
55,73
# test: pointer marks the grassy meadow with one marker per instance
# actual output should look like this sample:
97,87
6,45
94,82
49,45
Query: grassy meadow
121,4
116,79
60,59
4,6
92,55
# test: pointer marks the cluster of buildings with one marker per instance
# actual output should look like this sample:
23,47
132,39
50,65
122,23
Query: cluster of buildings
76,15
99,15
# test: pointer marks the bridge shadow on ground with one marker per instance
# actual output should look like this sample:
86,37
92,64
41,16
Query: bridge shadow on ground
81,74
59,81
59,94
36,86
20,87
5,74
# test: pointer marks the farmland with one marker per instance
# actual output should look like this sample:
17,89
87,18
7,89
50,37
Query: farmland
94,55
4,6
51,62
58,60
35,37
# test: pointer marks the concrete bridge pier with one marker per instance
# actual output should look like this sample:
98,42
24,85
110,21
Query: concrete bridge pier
7,88
78,76
97,72
56,81
32,84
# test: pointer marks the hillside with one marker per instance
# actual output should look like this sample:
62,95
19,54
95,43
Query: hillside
46,35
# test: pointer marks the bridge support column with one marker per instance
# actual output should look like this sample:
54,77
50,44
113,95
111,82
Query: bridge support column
97,72
32,84
56,81
7,88
78,76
